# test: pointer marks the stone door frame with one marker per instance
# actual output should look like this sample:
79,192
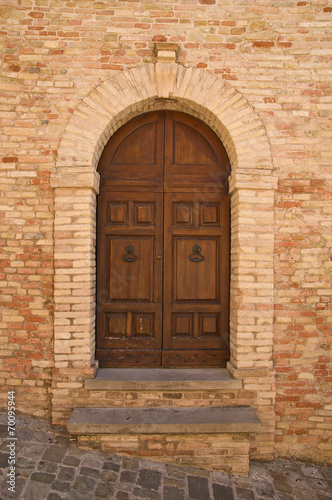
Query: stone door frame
251,186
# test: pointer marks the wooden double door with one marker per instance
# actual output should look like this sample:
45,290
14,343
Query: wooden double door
163,245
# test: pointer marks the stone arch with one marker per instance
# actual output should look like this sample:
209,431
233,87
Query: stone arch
75,179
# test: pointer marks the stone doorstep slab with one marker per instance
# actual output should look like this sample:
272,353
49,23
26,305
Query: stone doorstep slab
242,419
162,379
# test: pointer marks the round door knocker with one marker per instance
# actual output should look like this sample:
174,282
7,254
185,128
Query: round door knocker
129,256
197,256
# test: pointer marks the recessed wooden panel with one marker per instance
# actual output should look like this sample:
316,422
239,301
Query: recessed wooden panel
117,213
183,214
138,147
144,214
133,158
196,280
209,325
143,325
190,147
195,159
116,325
182,325
130,279
210,214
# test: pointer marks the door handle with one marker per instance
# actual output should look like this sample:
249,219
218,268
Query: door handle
158,256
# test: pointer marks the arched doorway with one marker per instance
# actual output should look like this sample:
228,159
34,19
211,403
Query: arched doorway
163,245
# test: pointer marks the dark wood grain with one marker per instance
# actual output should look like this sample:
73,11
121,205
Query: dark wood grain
163,245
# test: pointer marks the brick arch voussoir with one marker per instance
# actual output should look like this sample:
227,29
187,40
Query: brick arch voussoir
165,86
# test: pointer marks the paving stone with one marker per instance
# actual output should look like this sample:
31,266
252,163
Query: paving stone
24,435
282,487
173,493
290,467
76,452
150,479
127,476
130,464
122,495
20,483
25,466
323,496
94,461
60,440
221,477
318,484
54,454
152,465
264,489
54,496
84,484
193,471
244,494
42,477
170,481
104,490
3,431
108,476
259,473
49,467
175,471
198,488
297,480
127,487
111,466
90,472
60,486
144,493
312,472
73,461
244,482
304,494
285,496
33,451
276,476
78,495
327,473
222,492
66,474
36,491
4,460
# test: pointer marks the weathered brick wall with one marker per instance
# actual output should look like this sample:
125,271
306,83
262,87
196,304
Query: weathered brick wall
276,54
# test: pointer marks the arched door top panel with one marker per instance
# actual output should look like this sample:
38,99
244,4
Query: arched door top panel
164,151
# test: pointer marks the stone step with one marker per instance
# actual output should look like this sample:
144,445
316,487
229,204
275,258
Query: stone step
159,379
163,420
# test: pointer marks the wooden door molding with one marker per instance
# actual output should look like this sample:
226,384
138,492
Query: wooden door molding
155,213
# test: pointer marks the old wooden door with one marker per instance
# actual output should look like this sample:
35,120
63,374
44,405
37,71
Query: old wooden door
163,245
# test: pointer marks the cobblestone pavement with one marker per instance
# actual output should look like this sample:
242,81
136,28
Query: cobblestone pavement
49,466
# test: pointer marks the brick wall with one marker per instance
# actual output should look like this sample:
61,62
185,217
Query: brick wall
274,54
